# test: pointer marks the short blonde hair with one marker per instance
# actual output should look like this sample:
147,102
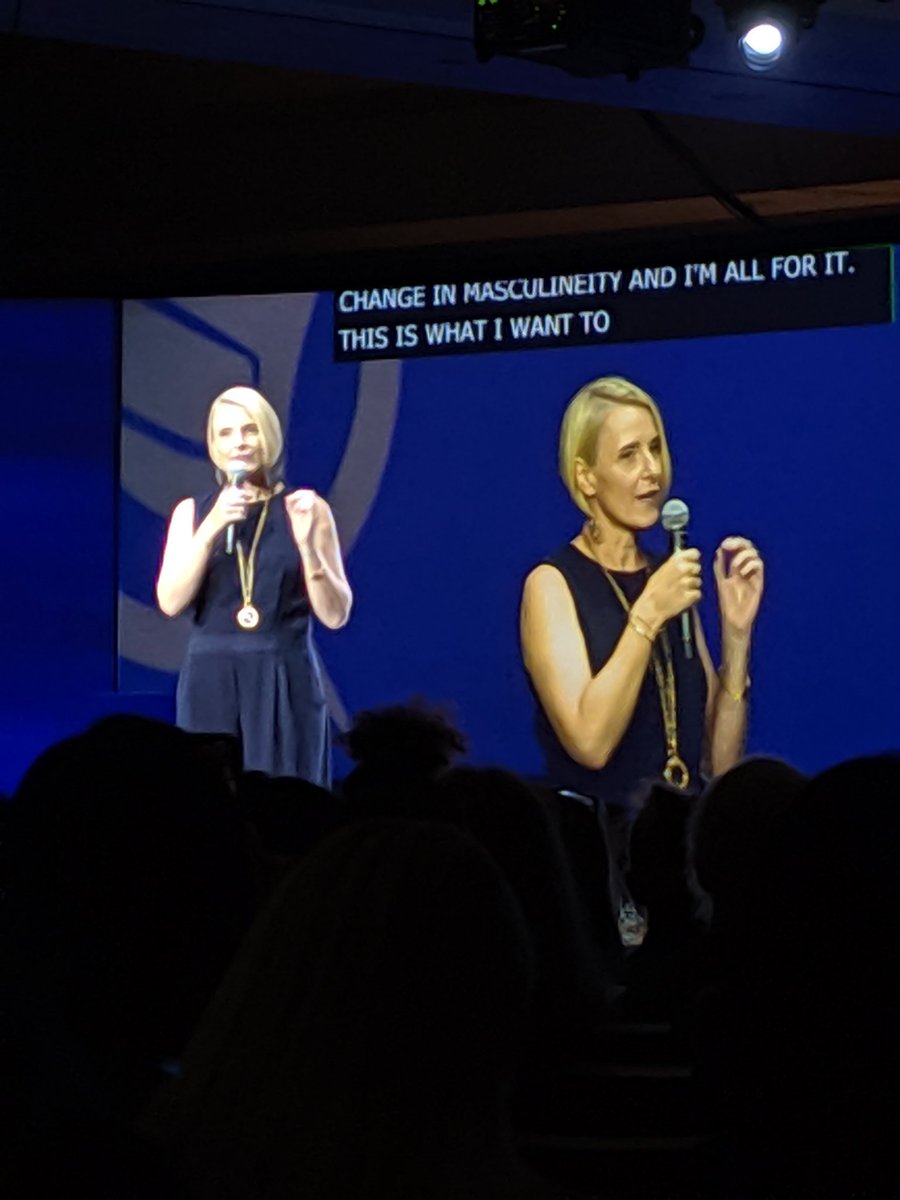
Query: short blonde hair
587,410
259,410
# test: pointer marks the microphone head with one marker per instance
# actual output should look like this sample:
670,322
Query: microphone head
238,474
675,515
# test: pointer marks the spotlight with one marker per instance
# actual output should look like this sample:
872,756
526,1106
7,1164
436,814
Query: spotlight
763,44
766,32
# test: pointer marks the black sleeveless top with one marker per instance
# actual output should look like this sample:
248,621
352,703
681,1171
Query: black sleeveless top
641,755
279,590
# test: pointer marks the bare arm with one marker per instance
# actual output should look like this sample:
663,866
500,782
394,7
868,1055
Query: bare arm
187,551
184,563
316,538
739,575
726,711
589,713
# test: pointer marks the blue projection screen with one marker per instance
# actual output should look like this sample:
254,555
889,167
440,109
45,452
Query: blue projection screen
428,416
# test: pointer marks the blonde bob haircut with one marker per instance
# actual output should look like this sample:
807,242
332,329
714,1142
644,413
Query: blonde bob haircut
583,419
257,407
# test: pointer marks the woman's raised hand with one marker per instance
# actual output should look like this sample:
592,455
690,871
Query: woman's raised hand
306,509
740,578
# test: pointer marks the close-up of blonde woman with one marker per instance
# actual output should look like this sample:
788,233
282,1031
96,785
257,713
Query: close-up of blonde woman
252,563
624,695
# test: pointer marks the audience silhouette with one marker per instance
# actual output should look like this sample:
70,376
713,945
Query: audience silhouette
218,985
365,1040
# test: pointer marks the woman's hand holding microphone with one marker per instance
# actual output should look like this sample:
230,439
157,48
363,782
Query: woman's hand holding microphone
229,509
672,589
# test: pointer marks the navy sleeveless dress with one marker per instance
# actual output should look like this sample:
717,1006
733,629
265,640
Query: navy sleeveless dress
262,684
641,755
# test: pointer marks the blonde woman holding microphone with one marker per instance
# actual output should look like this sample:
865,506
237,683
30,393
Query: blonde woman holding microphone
622,698
253,563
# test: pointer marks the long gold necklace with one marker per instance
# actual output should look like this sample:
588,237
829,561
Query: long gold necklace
248,616
675,772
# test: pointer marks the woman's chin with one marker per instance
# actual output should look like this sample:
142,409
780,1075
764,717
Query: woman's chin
646,517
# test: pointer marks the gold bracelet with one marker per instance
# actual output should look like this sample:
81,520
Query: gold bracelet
639,625
737,697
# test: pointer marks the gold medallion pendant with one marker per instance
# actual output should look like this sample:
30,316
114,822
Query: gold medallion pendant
676,772
247,617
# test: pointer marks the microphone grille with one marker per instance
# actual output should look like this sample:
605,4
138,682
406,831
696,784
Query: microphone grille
675,515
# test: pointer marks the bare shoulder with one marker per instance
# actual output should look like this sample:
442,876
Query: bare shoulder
183,515
181,523
548,610
545,585
553,649
184,508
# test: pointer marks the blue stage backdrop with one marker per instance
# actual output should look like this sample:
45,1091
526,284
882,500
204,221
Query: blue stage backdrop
437,450
58,636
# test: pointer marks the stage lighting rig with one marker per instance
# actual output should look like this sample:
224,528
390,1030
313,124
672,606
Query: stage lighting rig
589,38
766,32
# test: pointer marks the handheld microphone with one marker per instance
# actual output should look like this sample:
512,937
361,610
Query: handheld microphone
236,477
675,517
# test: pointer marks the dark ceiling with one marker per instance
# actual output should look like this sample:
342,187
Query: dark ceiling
146,142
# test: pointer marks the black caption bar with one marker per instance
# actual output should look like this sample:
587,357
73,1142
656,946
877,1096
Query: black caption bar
736,295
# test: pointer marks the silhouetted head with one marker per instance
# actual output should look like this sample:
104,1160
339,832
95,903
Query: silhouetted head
846,851
290,815
738,834
657,873
128,887
502,812
371,1019
399,750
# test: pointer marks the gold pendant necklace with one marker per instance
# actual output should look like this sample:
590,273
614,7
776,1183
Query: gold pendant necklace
248,617
675,771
